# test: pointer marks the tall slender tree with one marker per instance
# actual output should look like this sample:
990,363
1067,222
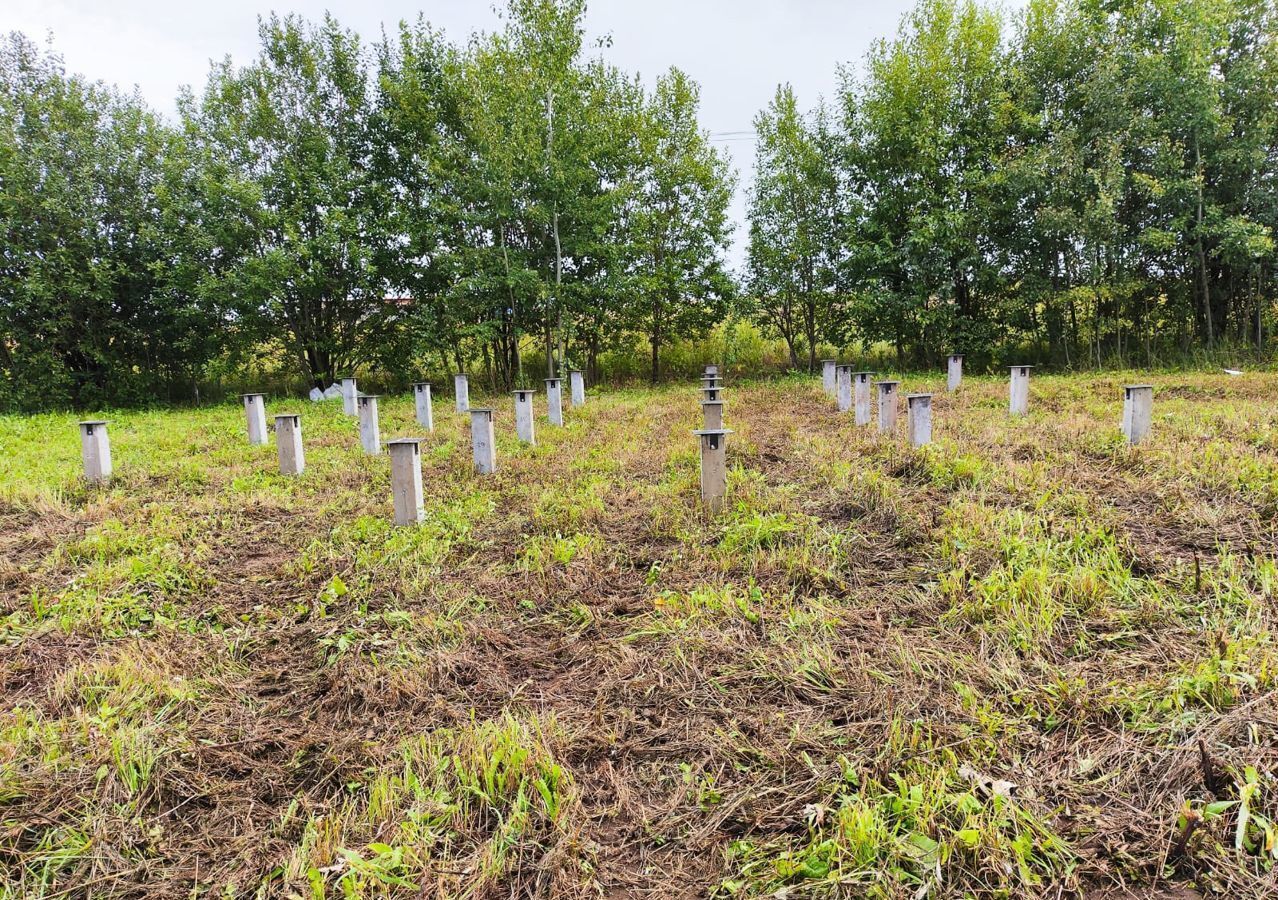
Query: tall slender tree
794,214
681,227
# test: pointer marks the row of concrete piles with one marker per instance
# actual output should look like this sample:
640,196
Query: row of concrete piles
406,472
1138,404
851,391
405,453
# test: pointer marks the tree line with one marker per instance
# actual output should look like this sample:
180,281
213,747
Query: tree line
1082,182
410,205
1087,182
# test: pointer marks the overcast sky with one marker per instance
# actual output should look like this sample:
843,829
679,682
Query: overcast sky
738,50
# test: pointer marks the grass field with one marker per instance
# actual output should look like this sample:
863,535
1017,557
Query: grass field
1024,661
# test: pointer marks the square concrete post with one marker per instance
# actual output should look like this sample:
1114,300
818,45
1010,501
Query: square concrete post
406,480
425,405
370,433
843,382
888,400
1018,390
711,393
482,439
288,441
710,370
461,388
714,467
1138,411
255,412
712,381
349,393
954,372
577,384
712,415
861,387
555,400
828,383
919,418
524,416
95,449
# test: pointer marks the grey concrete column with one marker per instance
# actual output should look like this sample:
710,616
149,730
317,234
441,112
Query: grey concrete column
461,388
1138,411
828,383
370,433
288,441
95,449
255,412
1018,390
843,383
919,418
711,381
349,393
889,398
577,383
406,480
712,415
861,390
483,440
710,370
425,405
714,467
711,393
555,400
524,416
954,372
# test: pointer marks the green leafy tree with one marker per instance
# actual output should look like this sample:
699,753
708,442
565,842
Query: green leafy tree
417,153
794,219
290,135
1096,184
680,224
924,129
94,304
536,177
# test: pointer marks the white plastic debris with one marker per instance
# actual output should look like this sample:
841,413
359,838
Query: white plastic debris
984,784
1233,371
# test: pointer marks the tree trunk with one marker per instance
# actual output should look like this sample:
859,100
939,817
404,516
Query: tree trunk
559,255
809,327
550,350
320,365
551,369
1202,256
1255,292
516,363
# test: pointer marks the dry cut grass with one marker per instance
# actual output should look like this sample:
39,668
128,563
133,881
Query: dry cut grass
1025,661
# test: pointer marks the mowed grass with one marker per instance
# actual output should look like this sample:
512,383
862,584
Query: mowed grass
1027,660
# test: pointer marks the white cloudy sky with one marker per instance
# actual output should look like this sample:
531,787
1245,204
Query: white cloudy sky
739,50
